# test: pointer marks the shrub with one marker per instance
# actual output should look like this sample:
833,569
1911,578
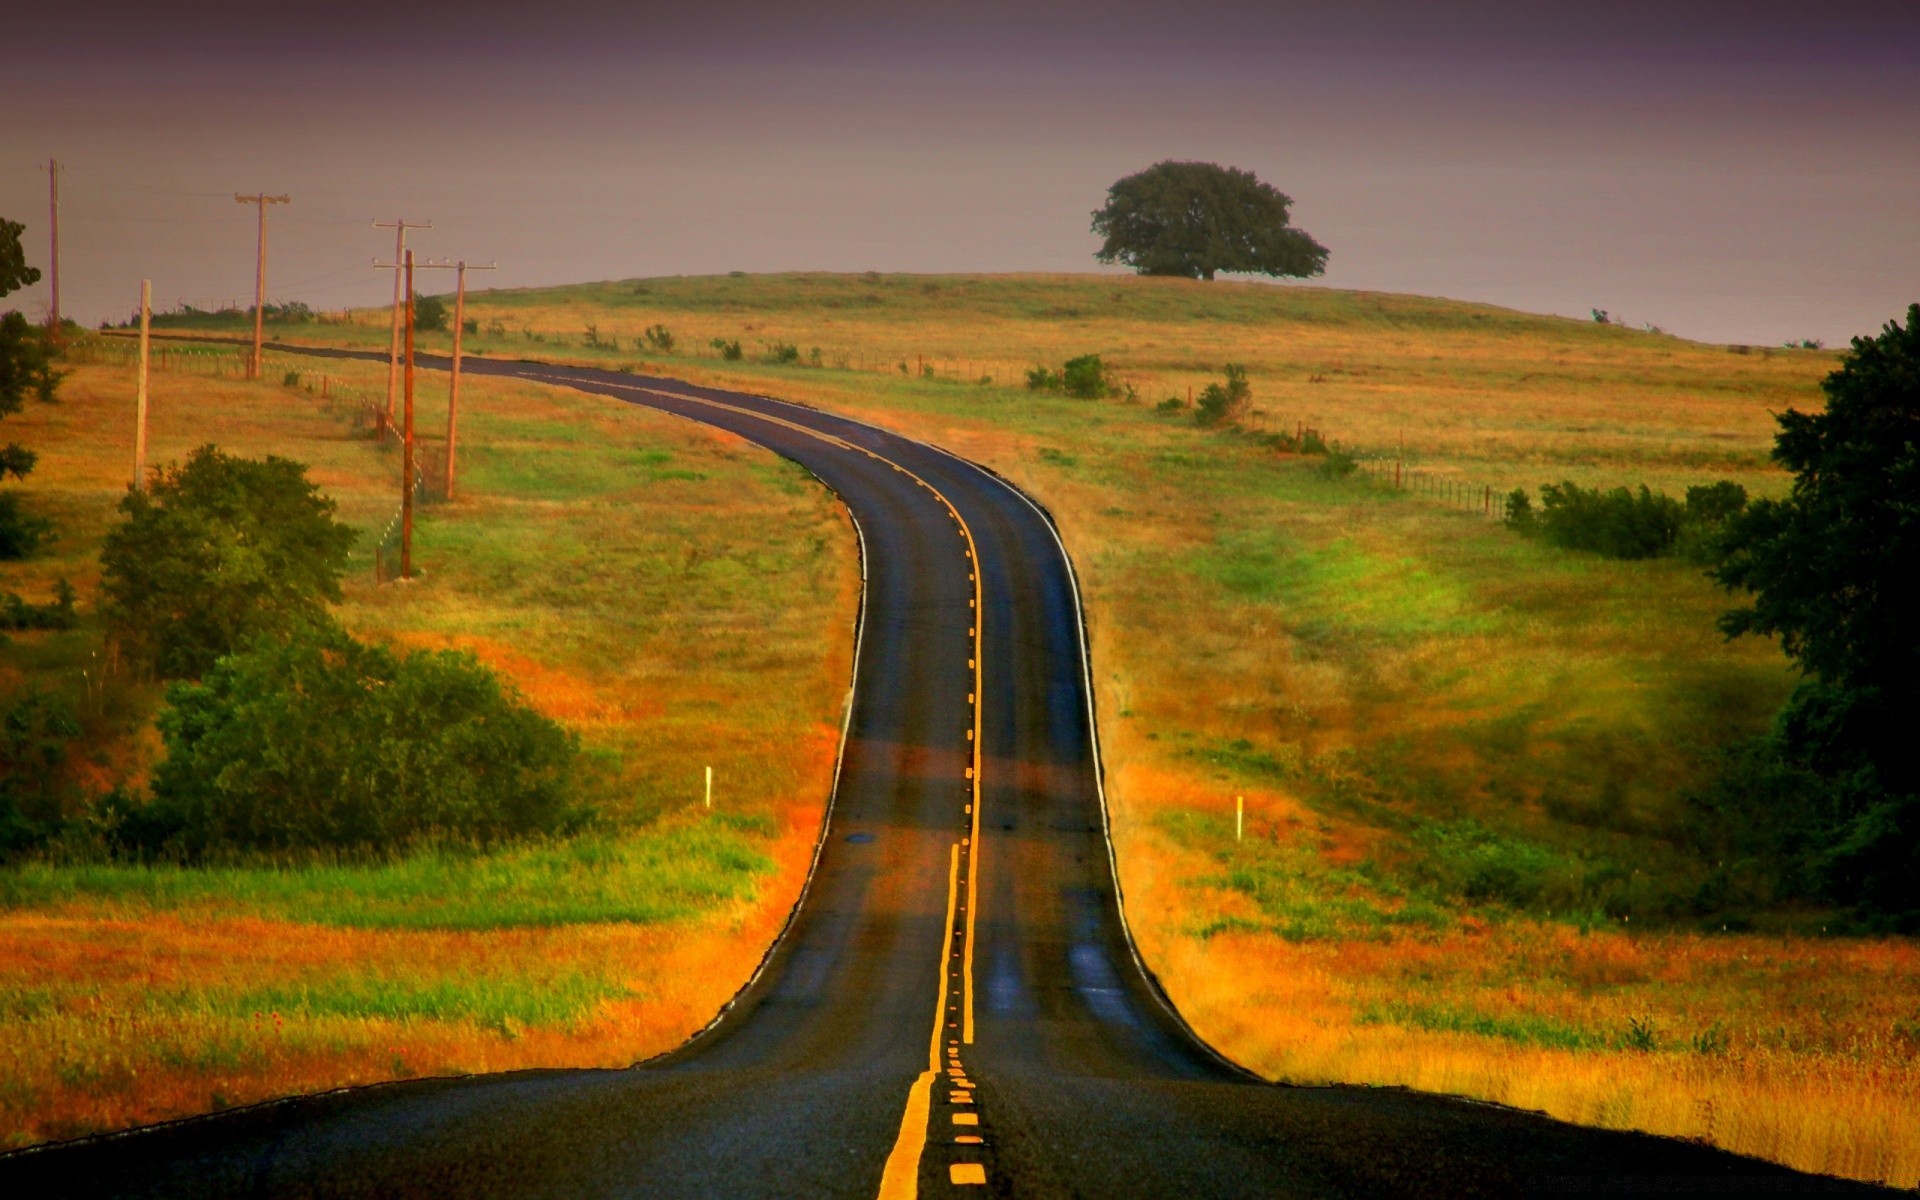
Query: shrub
21,533
1520,515
429,313
314,741
659,339
1172,404
290,379
16,613
1338,465
470,326
216,551
729,351
1042,379
1086,378
782,352
1219,403
35,732
1617,523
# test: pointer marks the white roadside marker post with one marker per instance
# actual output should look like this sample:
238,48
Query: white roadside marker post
1239,816
709,787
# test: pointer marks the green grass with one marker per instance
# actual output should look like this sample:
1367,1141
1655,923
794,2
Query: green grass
675,870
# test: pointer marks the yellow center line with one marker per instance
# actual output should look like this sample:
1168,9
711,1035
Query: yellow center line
901,1179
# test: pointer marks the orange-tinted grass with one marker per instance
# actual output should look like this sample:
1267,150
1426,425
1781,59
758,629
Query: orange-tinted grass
1805,1052
131,1027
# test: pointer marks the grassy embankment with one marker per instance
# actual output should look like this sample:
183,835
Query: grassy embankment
1463,754
678,597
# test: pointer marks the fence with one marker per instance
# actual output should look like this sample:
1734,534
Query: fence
1463,494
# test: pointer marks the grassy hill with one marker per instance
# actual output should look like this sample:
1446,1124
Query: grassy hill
1465,756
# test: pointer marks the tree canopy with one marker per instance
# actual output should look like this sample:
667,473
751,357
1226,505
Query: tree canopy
317,741
1834,571
14,271
26,364
218,550
1193,219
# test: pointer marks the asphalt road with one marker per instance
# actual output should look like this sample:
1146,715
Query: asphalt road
956,997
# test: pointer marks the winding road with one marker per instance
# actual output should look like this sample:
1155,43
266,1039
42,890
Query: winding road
956,1007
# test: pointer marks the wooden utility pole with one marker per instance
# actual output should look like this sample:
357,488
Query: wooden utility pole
140,393
406,456
53,205
453,387
260,271
399,228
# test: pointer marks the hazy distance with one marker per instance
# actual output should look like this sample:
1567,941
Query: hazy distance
1730,172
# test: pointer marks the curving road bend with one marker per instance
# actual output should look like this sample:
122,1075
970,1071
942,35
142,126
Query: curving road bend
955,1007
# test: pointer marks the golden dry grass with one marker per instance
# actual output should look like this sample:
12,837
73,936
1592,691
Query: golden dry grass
608,561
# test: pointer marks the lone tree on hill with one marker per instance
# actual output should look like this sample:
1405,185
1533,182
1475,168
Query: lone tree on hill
1193,218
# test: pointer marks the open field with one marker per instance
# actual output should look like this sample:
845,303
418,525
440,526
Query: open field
1464,755
612,563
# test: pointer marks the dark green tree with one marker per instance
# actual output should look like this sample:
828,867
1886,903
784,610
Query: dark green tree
1834,572
26,365
215,552
316,741
1192,219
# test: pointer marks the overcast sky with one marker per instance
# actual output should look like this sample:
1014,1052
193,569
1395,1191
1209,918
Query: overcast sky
1732,172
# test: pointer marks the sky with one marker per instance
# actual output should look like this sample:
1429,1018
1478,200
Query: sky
1742,172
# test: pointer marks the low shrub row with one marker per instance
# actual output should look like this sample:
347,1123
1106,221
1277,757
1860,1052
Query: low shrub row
1620,523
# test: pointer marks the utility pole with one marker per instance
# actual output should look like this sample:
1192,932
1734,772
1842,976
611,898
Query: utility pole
399,228
406,457
260,271
453,388
53,204
140,394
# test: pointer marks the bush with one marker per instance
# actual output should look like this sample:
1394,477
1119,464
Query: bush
35,731
215,552
20,532
317,742
1219,403
1617,523
782,352
659,339
1086,378
1338,465
1625,524
16,613
1043,379
730,351
429,313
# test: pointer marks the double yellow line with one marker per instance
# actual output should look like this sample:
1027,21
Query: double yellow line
901,1178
